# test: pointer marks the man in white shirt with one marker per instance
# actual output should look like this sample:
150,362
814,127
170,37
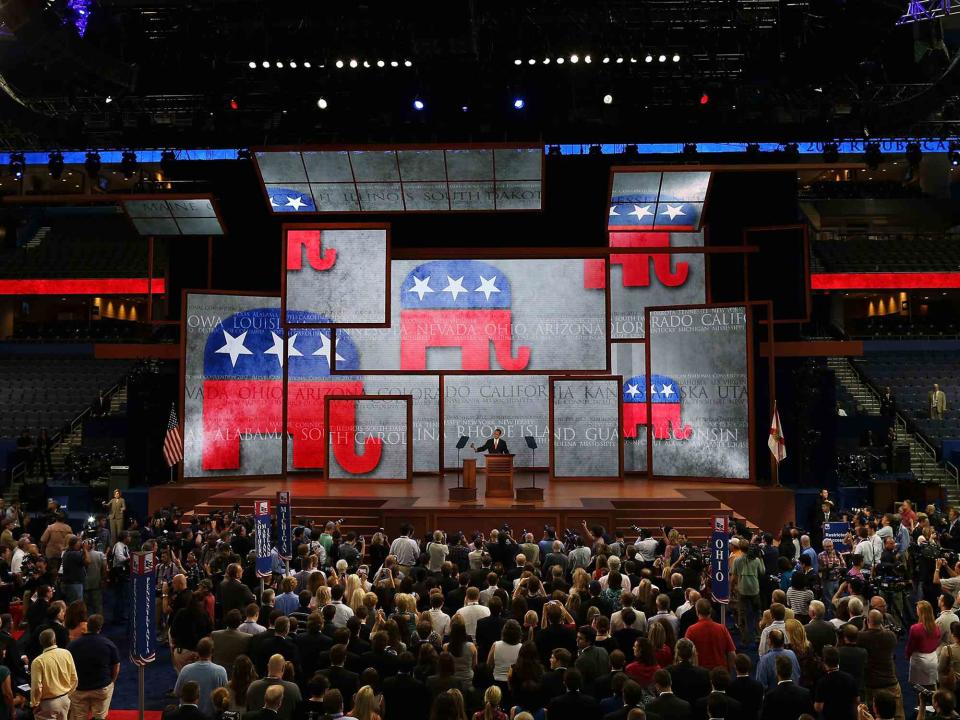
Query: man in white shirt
947,617
865,548
344,612
613,564
947,584
690,599
406,549
779,613
646,547
19,554
472,611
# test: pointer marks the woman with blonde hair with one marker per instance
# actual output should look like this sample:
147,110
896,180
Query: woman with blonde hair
811,668
315,581
321,599
491,705
448,705
530,623
357,599
365,704
353,584
645,596
581,583
922,644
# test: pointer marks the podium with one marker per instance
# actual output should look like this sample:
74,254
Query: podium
468,492
500,476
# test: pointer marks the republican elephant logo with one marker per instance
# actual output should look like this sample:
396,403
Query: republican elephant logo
243,390
458,303
309,242
665,405
636,266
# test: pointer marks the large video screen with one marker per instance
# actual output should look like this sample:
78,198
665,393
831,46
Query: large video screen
369,438
339,275
699,392
586,428
476,405
629,360
487,315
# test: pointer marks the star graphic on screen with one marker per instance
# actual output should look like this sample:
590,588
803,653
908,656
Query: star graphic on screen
667,390
632,390
613,210
277,348
272,202
487,286
421,286
641,212
673,210
455,287
234,347
653,389
296,202
324,349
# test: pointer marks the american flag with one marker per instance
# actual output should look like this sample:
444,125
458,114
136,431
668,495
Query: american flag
172,442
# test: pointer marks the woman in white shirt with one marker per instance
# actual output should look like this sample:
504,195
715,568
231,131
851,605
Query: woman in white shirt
503,653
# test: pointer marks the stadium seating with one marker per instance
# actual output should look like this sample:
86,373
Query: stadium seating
922,253
50,390
895,326
845,190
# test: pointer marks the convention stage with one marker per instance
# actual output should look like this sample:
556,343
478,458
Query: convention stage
367,506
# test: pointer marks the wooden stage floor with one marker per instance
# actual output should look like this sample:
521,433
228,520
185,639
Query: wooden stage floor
615,503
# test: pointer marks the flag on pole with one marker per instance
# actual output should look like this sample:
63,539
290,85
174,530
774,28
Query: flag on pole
172,442
776,442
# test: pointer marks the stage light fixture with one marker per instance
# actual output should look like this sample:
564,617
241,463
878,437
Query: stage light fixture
831,153
676,57
595,150
234,104
633,60
872,155
128,163
546,61
914,154
17,164
532,61
366,64
279,65
380,63
648,58
518,61
587,59
293,64
394,63
252,65
619,61
322,103
518,103
608,99
167,159
108,99
574,58
55,164
690,150
306,64
407,63
560,61
265,64
418,104
954,154
339,64
606,60
353,63
662,58
92,164
464,108
704,99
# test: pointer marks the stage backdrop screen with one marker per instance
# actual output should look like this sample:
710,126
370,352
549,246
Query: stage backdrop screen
699,392
368,439
475,405
233,386
629,360
337,274
514,315
586,418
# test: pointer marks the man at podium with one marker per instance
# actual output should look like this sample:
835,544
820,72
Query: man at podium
494,446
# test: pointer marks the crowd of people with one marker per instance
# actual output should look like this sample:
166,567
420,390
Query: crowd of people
583,624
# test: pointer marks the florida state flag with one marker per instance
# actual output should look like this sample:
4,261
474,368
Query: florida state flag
776,442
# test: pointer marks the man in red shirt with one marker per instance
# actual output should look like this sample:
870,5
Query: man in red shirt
714,645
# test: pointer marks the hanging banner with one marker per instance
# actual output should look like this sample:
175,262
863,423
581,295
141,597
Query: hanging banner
261,535
143,630
720,561
284,525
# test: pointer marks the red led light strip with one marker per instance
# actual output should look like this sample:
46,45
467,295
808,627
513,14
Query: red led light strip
885,281
93,286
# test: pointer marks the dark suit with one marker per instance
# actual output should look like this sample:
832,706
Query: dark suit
820,633
344,681
310,645
552,683
732,708
749,693
624,712
268,643
488,632
261,714
187,712
407,696
670,707
227,645
573,706
499,449
689,682
553,637
234,595
786,701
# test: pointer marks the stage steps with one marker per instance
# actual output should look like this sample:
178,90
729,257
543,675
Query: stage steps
691,516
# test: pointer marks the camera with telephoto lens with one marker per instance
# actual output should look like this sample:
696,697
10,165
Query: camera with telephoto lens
691,556
636,529
931,551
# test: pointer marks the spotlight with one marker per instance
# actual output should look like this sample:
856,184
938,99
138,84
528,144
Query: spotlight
704,98
167,159
279,65
234,104
366,64
92,164
954,154
252,65
306,64
560,61
353,63
914,154
690,150
831,153
322,103
339,64
380,63
608,99
418,104
676,57
464,108
648,58
595,150
108,99
532,61
407,63
791,152
55,164
606,60
619,61
546,61
266,64
518,61
128,163
394,63
293,64
662,58
574,58
872,155
518,104
587,59
17,164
